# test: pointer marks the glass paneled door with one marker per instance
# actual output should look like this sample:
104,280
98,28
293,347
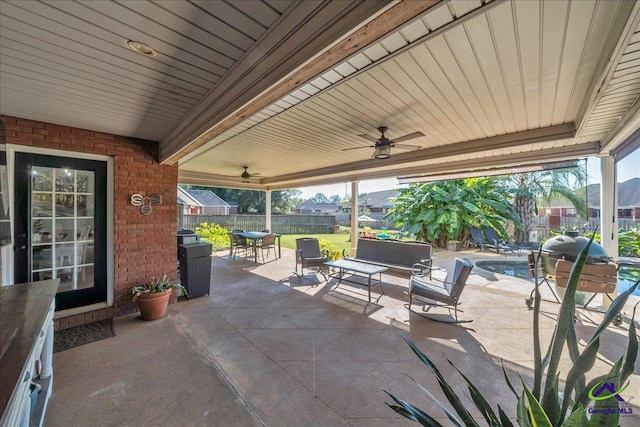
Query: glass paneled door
61,226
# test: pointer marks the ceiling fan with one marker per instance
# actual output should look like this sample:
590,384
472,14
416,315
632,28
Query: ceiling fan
383,144
246,176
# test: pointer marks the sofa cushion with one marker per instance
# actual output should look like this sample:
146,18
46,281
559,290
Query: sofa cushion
413,253
389,252
367,249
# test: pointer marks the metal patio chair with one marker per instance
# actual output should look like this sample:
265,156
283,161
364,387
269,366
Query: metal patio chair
442,293
309,255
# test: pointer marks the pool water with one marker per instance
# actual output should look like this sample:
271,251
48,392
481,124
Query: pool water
627,276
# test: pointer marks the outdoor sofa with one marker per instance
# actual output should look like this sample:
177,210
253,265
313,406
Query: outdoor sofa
401,258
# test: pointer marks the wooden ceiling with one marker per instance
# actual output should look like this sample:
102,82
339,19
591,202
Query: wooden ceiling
284,87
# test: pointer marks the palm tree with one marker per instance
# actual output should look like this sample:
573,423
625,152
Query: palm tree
544,186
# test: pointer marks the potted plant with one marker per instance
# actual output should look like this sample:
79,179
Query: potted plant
453,245
153,296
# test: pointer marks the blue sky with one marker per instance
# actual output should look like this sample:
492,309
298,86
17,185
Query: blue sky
628,168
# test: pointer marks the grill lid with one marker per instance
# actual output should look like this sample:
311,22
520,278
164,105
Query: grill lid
568,246
187,236
571,244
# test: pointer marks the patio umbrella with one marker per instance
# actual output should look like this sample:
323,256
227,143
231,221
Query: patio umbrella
364,218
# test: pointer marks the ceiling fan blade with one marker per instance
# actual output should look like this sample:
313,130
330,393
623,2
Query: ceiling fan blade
357,148
408,137
406,147
369,137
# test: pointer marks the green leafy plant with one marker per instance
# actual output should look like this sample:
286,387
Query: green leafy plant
156,285
215,234
542,404
441,211
629,242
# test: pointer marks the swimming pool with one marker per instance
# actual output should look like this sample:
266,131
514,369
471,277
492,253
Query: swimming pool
520,269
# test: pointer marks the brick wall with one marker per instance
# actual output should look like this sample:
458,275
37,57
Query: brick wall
144,245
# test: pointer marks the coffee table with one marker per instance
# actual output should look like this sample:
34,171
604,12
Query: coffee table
354,268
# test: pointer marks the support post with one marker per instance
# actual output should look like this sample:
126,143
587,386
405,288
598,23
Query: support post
609,213
354,217
267,210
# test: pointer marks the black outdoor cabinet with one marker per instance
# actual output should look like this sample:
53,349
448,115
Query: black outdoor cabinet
195,267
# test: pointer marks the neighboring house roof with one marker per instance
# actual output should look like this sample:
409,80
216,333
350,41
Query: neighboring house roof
379,199
628,196
311,204
184,198
205,197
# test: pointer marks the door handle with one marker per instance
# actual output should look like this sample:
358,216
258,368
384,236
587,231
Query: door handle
19,248
21,236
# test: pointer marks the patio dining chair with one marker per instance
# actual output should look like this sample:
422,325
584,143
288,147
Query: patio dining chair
442,294
238,244
267,243
539,277
308,255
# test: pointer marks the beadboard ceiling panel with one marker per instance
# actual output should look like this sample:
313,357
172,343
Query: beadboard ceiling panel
502,70
289,87
67,62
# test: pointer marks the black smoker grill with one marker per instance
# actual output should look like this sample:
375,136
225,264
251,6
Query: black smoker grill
567,247
194,257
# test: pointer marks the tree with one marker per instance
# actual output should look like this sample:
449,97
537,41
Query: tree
528,187
252,201
335,198
441,211
320,198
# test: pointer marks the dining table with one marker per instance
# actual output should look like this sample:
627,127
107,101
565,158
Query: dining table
254,237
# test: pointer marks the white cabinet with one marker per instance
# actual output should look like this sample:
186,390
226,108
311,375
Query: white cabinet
26,335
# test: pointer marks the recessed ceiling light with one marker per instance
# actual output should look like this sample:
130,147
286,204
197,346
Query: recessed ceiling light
141,48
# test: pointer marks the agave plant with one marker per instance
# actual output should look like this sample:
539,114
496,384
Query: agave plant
543,404
159,284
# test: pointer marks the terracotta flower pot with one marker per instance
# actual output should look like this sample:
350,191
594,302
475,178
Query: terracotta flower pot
154,306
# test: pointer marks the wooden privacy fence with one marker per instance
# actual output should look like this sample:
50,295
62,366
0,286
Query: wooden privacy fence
282,224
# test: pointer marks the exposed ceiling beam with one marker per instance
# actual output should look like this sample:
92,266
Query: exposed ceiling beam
510,160
553,154
553,133
222,108
626,126
490,171
631,144
212,180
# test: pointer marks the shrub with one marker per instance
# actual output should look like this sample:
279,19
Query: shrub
333,252
215,234
629,242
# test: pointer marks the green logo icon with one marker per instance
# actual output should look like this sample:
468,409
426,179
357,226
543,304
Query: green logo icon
604,391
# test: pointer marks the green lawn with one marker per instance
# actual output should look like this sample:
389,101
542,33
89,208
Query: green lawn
340,241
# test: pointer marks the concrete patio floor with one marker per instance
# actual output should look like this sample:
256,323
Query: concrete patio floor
265,348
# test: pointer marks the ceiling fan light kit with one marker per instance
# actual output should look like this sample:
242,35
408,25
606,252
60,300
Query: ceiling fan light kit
382,147
382,152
